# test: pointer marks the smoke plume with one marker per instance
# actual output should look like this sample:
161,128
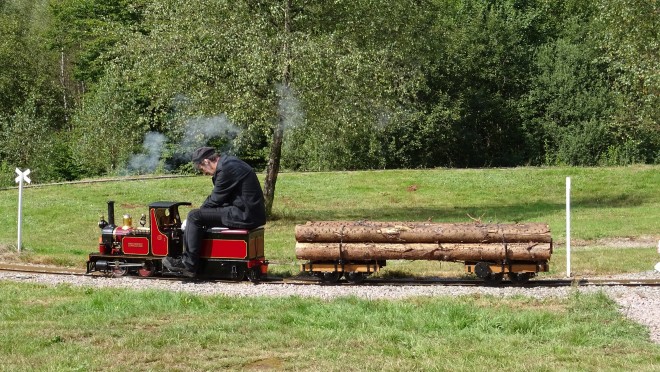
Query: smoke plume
217,131
289,108
148,161
200,131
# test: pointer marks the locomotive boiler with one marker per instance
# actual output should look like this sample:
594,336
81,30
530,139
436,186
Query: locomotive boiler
233,254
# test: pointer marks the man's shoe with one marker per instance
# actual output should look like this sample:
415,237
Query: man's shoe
187,273
173,264
176,265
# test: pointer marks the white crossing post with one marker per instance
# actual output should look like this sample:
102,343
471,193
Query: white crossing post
657,266
568,227
22,176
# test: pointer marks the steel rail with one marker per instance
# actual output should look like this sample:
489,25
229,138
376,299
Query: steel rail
101,180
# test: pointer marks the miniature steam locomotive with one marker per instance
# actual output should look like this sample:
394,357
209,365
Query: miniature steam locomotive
333,249
232,254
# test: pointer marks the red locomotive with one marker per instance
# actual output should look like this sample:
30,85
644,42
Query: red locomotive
232,254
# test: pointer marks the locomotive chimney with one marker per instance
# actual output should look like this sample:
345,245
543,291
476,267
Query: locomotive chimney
111,212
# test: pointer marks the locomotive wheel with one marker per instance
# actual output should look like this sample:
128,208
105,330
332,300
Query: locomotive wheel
354,277
239,276
116,271
148,269
254,274
519,278
330,277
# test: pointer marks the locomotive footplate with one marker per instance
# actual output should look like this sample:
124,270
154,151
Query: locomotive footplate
119,265
236,270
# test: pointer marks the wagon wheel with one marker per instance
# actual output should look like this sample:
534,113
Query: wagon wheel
330,277
147,269
494,278
354,277
519,278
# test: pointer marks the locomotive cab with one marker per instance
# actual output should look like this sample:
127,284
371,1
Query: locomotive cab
166,233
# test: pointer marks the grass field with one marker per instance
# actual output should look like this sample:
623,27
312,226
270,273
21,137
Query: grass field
609,204
83,329
65,328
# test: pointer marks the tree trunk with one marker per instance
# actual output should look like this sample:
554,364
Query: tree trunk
273,167
64,90
421,232
419,251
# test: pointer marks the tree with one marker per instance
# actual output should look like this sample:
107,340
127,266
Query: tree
30,109
273,168
567,107
628,38
84,32
482,70
358,66
247,59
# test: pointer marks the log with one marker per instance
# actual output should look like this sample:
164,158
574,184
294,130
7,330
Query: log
420,232
420,251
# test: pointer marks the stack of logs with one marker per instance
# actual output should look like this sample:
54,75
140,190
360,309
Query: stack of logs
369,240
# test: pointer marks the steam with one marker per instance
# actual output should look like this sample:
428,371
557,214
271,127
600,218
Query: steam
217,131
148,161
383,119
197,132
289,108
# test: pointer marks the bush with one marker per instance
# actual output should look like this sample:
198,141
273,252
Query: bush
581,144
7,174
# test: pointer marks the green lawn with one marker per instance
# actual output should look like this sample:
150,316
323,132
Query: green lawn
60,221
65,328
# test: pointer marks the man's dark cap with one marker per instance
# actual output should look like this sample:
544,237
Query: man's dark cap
202,153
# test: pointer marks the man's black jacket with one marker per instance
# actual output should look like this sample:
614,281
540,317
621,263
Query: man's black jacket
237,194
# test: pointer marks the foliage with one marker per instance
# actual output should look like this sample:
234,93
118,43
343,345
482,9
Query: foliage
484,71
371,84
87,30
106,134
629,45
628,36
355,67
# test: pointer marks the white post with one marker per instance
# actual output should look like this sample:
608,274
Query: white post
20,212
21,176
568,227
657,266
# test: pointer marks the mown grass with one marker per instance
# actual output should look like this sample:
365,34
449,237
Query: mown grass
608,203
64,328
85,329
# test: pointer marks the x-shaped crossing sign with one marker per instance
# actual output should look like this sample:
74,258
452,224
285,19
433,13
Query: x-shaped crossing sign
22,176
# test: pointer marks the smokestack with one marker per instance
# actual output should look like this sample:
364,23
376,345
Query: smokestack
111,212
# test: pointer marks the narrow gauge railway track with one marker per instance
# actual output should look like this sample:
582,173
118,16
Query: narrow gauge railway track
308,280
480,283
101,180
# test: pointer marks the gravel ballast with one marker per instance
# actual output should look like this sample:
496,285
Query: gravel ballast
641,304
